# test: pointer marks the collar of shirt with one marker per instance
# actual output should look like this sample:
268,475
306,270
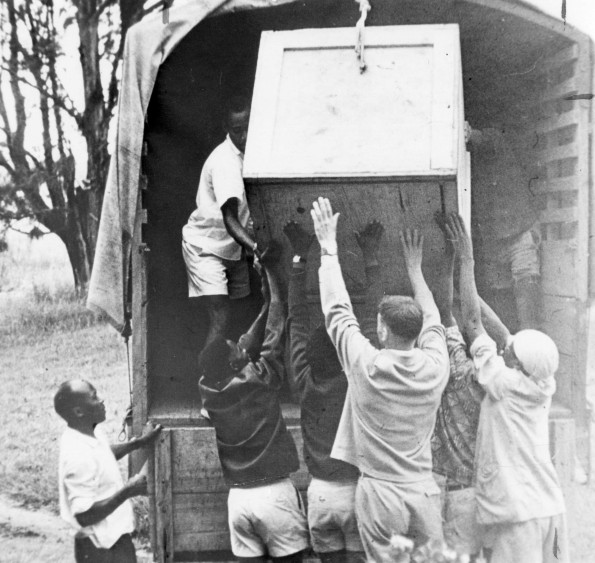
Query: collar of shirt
80,437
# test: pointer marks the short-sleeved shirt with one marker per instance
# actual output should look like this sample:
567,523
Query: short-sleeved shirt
220,180
88,473
453,443
515,478
503,204
393,395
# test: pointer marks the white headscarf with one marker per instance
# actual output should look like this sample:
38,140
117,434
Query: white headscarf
537,352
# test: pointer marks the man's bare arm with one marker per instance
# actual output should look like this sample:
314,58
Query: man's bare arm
149,435
470,307
234,227
100,510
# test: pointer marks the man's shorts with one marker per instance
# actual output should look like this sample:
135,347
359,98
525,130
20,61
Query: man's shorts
269,519
461,530
331,516
211,275
385,508
540,540
511,260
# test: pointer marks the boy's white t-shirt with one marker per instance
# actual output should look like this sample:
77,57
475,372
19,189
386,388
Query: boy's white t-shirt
220,180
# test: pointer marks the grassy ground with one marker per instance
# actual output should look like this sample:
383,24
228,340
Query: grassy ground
46,337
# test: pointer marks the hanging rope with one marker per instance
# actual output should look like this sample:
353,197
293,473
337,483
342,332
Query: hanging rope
128,416
364,8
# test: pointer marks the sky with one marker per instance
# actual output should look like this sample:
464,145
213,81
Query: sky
579,13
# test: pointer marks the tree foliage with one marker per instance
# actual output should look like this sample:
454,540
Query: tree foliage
41,117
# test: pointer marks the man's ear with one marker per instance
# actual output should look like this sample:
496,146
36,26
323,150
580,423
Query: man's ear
77,412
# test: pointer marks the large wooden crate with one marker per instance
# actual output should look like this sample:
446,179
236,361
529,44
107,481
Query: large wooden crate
384,144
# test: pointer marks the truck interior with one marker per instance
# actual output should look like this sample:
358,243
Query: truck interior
519,70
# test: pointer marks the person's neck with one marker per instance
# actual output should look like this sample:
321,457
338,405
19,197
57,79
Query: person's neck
83,427
397,343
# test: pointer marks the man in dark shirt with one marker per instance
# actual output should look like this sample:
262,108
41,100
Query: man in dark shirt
319,379
505,219
256,451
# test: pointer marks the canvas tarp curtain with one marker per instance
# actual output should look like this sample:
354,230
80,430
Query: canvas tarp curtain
148,44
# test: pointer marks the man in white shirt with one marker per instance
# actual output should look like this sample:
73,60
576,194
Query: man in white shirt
94,499
216,239
393,395
519,500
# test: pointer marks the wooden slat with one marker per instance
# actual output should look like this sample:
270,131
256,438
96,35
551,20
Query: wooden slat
196,467
570,183
164,516
565,55
560,322
559,152
558,267
561,215
558,121
201,512
554,93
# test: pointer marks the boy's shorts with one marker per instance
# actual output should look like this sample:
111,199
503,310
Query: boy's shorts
331,516
268,519
509,261
461,530
211,275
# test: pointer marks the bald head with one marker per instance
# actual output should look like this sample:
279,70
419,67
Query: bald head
78,399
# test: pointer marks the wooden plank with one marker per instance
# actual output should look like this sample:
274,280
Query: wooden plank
164,515
560,322
558,266
556,92
570,183
200,512
560,152
196,467
560,215
396,205
558,121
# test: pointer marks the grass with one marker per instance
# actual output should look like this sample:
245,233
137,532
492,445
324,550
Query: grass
46,337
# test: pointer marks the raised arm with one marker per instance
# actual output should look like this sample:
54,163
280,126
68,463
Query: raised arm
493,325
342,326
298,321
149,435
470,307
368,240
271,356
253,338
232,223
444,291
412,242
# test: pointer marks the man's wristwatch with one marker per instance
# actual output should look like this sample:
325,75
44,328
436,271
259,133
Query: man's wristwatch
297,259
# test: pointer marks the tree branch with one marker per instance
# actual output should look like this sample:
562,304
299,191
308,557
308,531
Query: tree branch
61,103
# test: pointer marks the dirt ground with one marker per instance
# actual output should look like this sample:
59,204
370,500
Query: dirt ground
41,537
37,537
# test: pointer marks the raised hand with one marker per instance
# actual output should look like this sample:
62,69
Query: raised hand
325,225
368,240
441,219
299,238
457,235
413,242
